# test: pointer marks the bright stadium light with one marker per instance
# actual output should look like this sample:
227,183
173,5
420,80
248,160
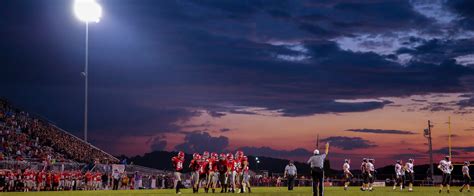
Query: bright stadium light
87,10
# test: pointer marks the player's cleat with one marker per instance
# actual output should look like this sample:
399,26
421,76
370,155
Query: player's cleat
179,193
448,191
440,191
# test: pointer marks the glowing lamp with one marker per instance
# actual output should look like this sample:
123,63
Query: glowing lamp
87,10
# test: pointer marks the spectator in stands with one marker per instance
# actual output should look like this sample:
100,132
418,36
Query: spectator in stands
290,175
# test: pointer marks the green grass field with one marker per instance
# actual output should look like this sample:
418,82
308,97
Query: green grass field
332,191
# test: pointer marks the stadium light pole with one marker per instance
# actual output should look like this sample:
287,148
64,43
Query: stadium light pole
87,11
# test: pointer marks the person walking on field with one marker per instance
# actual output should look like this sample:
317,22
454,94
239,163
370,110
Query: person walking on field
317,170
446,167
467,177
290,175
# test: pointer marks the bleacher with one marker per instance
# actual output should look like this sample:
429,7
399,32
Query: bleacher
26,137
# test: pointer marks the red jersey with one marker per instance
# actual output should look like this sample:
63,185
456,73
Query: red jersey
195,165
89,176
57,178
230,165
238,165
177,163
48,178
212,165
39,177
203,169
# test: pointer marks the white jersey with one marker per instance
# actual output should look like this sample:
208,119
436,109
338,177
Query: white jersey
398,170
409,167
445,166
346,167
465,170
370,167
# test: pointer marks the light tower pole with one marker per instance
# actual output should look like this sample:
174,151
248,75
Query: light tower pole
87,11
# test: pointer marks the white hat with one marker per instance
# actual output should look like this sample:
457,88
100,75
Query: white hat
316,152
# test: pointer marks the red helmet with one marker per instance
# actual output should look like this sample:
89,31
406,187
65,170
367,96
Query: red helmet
214,155
222,156
205,154
196,155
230,156
239,154
180,154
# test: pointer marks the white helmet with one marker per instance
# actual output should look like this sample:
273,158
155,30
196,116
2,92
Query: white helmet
316,152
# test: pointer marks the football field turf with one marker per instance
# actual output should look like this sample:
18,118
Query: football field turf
331,191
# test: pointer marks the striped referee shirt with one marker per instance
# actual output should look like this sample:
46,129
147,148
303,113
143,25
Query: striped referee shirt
317,161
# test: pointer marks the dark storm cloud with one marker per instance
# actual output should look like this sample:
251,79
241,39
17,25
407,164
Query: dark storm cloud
225,130
466,102
154,64
158,144
440,50
464,9
382,131
203,141
469,129
216,114
445,151
270,152
455,150
349,143
407,156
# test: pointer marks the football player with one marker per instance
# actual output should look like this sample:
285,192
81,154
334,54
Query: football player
223,171
347,173
245,175
204,171
212,172
446,167
371,169
231,172
398,174
411,174
467,177
365,174
178,168
238,169
195,166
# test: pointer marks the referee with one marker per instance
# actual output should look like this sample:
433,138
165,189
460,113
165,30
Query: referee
317,170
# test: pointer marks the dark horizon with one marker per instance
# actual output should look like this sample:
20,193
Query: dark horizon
263,76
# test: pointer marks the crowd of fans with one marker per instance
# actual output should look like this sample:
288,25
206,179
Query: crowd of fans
26,138
26,180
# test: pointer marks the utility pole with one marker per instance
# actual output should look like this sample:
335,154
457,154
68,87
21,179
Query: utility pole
427,134
317,142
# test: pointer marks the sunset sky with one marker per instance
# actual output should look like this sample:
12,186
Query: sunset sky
264,76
